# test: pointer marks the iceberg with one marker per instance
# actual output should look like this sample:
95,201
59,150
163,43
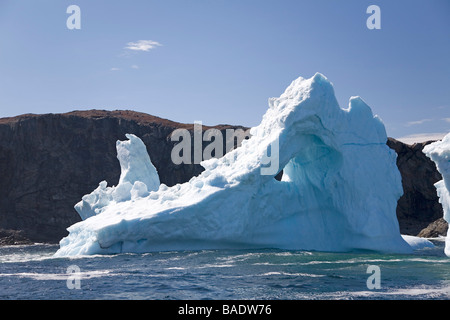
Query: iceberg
439,152
138,177
338,191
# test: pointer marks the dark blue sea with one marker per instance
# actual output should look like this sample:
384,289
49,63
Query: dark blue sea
31,272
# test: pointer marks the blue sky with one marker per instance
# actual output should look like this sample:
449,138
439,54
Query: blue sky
219,61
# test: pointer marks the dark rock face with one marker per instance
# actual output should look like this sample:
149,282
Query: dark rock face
419,205
435,229
13,237
48,162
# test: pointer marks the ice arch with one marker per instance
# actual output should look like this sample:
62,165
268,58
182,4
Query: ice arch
339,189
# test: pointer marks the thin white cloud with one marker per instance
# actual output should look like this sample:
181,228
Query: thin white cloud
142,45
414,123
446,119
134,66
114,69
421,137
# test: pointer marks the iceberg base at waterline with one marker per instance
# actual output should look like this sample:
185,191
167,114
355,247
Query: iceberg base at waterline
338,192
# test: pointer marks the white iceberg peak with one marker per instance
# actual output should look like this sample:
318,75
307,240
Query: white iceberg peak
135,163
138,177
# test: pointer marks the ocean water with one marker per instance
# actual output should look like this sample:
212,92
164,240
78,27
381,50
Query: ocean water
31,272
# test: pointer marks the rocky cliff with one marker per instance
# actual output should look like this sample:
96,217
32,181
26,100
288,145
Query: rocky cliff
48,162
419,206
